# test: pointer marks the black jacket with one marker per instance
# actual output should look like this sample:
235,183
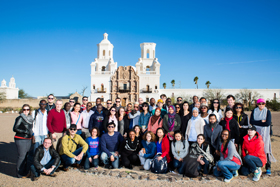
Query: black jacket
48,108
184,123
234,129
126,124
22,128
39,154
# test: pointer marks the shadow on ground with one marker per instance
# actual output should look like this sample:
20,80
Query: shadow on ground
8,157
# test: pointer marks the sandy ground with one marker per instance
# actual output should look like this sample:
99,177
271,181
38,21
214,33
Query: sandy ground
75,178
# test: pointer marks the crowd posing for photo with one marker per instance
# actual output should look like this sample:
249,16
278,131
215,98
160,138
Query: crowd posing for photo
192,140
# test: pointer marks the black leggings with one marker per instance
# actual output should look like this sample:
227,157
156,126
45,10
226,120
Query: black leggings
130,159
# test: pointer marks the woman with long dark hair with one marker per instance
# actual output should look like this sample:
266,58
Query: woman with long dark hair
230,161
185,117
77,118
111,117
242,120
215,109
144,117
23,129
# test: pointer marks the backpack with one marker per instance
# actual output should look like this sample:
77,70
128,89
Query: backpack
159,166
190,166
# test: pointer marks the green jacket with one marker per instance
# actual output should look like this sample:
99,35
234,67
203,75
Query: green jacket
177,124
69,146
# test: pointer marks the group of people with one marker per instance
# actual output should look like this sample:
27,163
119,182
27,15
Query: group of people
187,139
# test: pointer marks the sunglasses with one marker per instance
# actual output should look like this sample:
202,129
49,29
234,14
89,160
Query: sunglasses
261,104
136,107
113,110
43,104
238,107
179,100
50,98
109,103
72,129
84,99
169,101
145,106
25,109
72,101
118,101
110,127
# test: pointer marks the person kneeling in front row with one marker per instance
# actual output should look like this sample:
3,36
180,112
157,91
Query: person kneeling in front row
253,154
46,160
69,152
110,146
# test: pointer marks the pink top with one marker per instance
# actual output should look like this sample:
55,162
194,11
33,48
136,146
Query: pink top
154,127
115,121
75,117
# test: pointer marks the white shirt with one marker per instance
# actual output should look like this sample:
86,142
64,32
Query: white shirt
40,124
86,117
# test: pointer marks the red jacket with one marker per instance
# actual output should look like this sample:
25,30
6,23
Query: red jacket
165,147
254,147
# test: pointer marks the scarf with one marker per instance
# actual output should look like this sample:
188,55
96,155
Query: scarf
227,122
131,146
28,119
171,118
154,119
260,115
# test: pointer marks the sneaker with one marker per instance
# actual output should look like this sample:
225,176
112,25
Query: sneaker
53,175
108,166
65,169
257,176
268,172
236,174
228,180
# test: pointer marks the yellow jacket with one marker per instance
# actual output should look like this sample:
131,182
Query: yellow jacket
69,146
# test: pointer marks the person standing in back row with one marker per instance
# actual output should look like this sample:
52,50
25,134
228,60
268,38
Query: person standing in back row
50,104
86,117
84,105
56,124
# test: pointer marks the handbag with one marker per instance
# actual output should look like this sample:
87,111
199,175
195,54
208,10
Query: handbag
159,166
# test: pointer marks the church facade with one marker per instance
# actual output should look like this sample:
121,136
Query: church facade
128,83
11,92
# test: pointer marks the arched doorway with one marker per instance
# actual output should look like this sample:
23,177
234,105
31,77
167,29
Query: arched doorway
123,102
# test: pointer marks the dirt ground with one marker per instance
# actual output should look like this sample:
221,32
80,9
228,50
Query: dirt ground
76,178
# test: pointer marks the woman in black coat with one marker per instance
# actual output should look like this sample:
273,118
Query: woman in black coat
231,124
185,117
242,120
23,139
123,120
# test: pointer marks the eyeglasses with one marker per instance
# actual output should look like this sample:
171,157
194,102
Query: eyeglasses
145,106
118,101
109,103
261,104
47,143
50,98
238,107
110,127
25,109
43,104
136,107
72,101
72,129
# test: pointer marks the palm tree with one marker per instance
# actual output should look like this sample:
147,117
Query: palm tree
195,81
208,84
173,83
164,85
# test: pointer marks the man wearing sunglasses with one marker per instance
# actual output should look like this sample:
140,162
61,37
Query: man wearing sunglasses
110,146
69,152
40,128
84,105
50,104
118,103
152,105
86,117
167,104
109,104
134,116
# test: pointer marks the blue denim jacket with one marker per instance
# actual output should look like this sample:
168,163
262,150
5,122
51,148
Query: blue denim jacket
144,119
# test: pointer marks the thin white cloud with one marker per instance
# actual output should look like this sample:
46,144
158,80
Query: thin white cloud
246,62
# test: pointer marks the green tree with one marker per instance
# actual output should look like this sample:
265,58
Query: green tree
164,85
195,81
22,94
173,83
208,84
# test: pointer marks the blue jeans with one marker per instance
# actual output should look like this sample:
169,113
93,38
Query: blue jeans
37,172
94,163
228,168
177,164
68,161
250,165
205,167
106,159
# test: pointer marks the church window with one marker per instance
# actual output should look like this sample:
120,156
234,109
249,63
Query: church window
103,52
109,53
103,68
148,53
155,87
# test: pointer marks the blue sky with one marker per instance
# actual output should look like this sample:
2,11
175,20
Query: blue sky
48,45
